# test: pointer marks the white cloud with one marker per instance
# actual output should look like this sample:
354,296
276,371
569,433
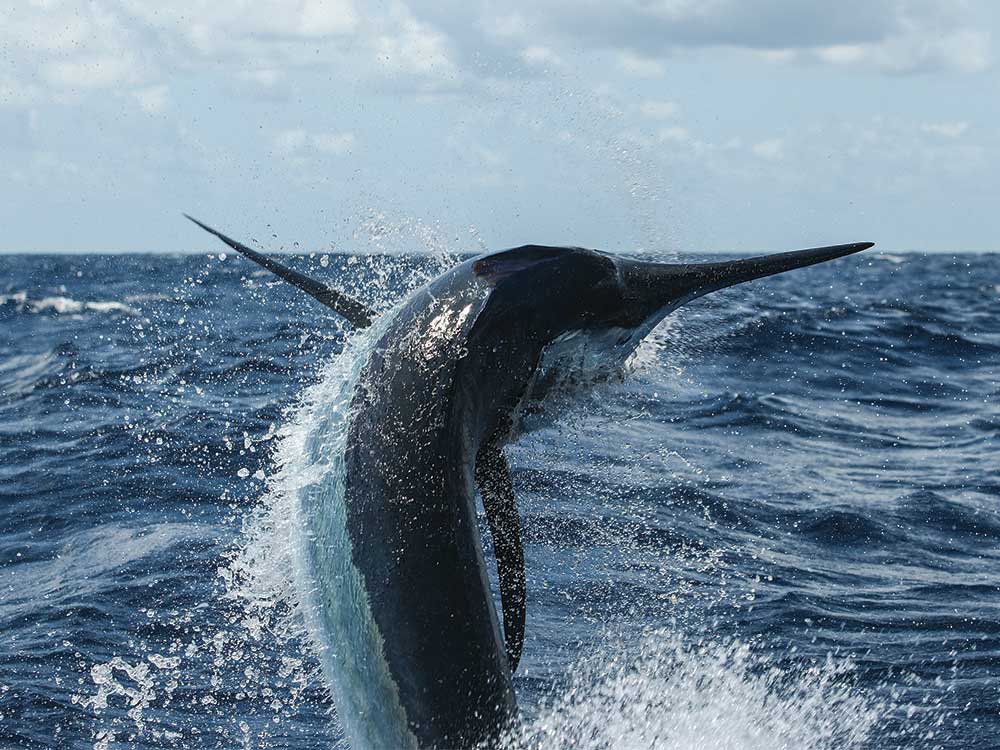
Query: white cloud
291,140
640,66
415,48
968,50
152,99
60,48
486,162
658,110
266,78
325,18
509,25
842,54
676,134
541,56
891,36
490,157
66,47
333,143
772,148
14,93
946,129
91,72
779,56
211,25
55,48
652,27
915,51
298,141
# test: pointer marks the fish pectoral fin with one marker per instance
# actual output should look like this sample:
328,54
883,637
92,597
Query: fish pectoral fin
497,491
355,312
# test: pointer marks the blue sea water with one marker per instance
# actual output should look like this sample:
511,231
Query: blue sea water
780,530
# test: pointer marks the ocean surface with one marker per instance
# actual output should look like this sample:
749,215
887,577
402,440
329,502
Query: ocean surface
780,530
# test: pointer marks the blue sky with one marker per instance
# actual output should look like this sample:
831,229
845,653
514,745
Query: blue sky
719,125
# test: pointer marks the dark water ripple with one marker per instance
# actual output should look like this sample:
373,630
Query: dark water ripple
808,466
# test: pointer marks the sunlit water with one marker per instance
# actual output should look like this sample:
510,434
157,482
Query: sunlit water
780,531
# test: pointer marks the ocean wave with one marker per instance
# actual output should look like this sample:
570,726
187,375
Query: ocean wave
846,528
799,468
149,297
62,305
925,511
78,568
602,530
21,373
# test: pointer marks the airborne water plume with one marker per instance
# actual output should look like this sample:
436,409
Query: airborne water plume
779,531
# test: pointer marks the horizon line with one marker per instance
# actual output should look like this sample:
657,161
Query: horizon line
301,253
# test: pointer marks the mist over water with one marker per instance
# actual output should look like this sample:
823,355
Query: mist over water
779,531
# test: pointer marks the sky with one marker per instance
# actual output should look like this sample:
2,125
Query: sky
624,125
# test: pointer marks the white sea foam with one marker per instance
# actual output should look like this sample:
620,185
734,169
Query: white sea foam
62,305
673,694
890,258
68,305
648,356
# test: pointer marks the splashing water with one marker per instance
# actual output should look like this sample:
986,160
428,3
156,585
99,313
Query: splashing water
671,694
665,694
300,528
265,591
241,665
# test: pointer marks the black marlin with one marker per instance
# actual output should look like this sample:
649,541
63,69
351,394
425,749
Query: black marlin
404,582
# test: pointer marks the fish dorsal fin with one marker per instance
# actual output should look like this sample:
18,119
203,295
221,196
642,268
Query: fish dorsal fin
348,307
499,266
497,491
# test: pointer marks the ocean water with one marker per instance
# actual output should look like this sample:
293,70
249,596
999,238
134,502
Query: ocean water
780,530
